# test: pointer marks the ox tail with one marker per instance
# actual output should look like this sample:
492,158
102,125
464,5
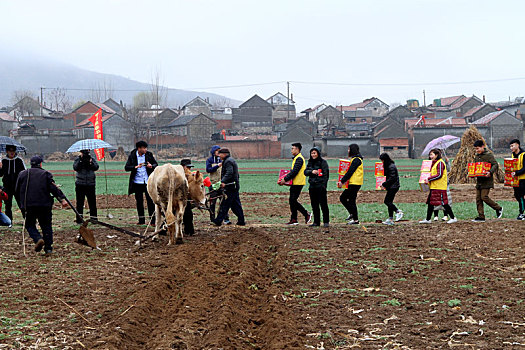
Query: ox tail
170,218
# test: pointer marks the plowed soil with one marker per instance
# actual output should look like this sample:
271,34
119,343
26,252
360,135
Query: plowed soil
271,287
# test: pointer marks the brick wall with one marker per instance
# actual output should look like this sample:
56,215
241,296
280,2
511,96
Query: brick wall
253,149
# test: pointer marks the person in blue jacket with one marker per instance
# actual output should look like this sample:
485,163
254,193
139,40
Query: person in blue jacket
213,168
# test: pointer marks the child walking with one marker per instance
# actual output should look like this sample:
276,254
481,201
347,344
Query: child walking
438,188
391,185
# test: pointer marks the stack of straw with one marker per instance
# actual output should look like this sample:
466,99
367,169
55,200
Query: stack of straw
459,172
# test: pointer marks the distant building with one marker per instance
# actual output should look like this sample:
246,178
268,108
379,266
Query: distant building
395,147
223,117
454,106
195,128
255,115
368,111
311,113
478,112
503,127
328,120
283,108
29,107
197,106
86,110
117,131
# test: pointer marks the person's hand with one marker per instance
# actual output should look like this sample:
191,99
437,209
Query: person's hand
139,165
487,174
513,174
220,165
149,165
315,172
0,165
339,184
64,203
426,181
280,182
223,185
383,187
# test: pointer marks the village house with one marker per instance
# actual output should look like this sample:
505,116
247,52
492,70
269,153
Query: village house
116,131
369,111
311,113
197,106
29,107
223,118
283,108
395,147
86,110
193,128
478,112
453,106
329,120
502,127
255,115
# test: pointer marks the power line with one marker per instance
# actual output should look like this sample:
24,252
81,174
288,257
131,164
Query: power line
408,84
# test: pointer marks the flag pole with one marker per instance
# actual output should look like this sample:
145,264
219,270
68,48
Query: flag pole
106,176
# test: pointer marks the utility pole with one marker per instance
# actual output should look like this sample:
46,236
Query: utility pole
288,101
41,99
424,98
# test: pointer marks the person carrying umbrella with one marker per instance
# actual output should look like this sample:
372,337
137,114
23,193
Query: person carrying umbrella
85,183
10,168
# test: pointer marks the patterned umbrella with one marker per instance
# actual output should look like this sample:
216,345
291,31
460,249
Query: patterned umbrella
442,143
88,144
5,141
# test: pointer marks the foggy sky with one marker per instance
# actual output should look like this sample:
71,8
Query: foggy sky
205,43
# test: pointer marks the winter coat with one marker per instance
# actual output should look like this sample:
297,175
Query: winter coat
132,163
230,173
11,168
39,189
392,177
85,168
212,165
486,182
522,170
316,181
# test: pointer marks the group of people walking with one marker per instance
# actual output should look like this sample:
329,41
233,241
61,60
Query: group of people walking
317,172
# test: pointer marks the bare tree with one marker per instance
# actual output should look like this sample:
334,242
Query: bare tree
101,91
159,94
60,101
222,102
134,116
25,103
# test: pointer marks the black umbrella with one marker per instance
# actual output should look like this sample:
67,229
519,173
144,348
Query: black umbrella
5,141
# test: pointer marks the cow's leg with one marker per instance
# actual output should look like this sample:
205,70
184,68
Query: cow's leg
158,221
180,216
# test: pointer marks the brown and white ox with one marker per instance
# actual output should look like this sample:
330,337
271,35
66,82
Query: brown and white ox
170,188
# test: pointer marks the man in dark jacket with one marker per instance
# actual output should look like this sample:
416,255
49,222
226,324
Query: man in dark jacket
519,192
10,168
231,186
141,163
33,191
213,168
318,172
296,175
85,182
187,219
485,183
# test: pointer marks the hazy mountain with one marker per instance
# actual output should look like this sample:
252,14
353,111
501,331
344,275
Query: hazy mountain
31,73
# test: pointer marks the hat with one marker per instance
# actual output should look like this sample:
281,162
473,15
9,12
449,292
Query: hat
186,163
35,160
224,150
10,148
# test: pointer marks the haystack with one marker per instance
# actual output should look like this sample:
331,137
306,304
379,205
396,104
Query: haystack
459,171
120,155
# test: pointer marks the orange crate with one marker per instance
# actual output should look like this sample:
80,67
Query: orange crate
478,169
510,164
345,185
379,170
344,164
379,181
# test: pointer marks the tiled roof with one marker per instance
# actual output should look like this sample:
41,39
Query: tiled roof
355,106
488,118
401,141
251,137
182,120
87,123
6,117
471,111
448,101
431,122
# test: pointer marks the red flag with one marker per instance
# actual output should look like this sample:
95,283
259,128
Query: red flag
96,119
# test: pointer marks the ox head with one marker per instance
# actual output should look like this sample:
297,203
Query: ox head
197,192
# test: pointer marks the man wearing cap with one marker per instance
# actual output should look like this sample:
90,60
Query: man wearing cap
33,191
141,163
85,182
230,184
10,168
187,219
